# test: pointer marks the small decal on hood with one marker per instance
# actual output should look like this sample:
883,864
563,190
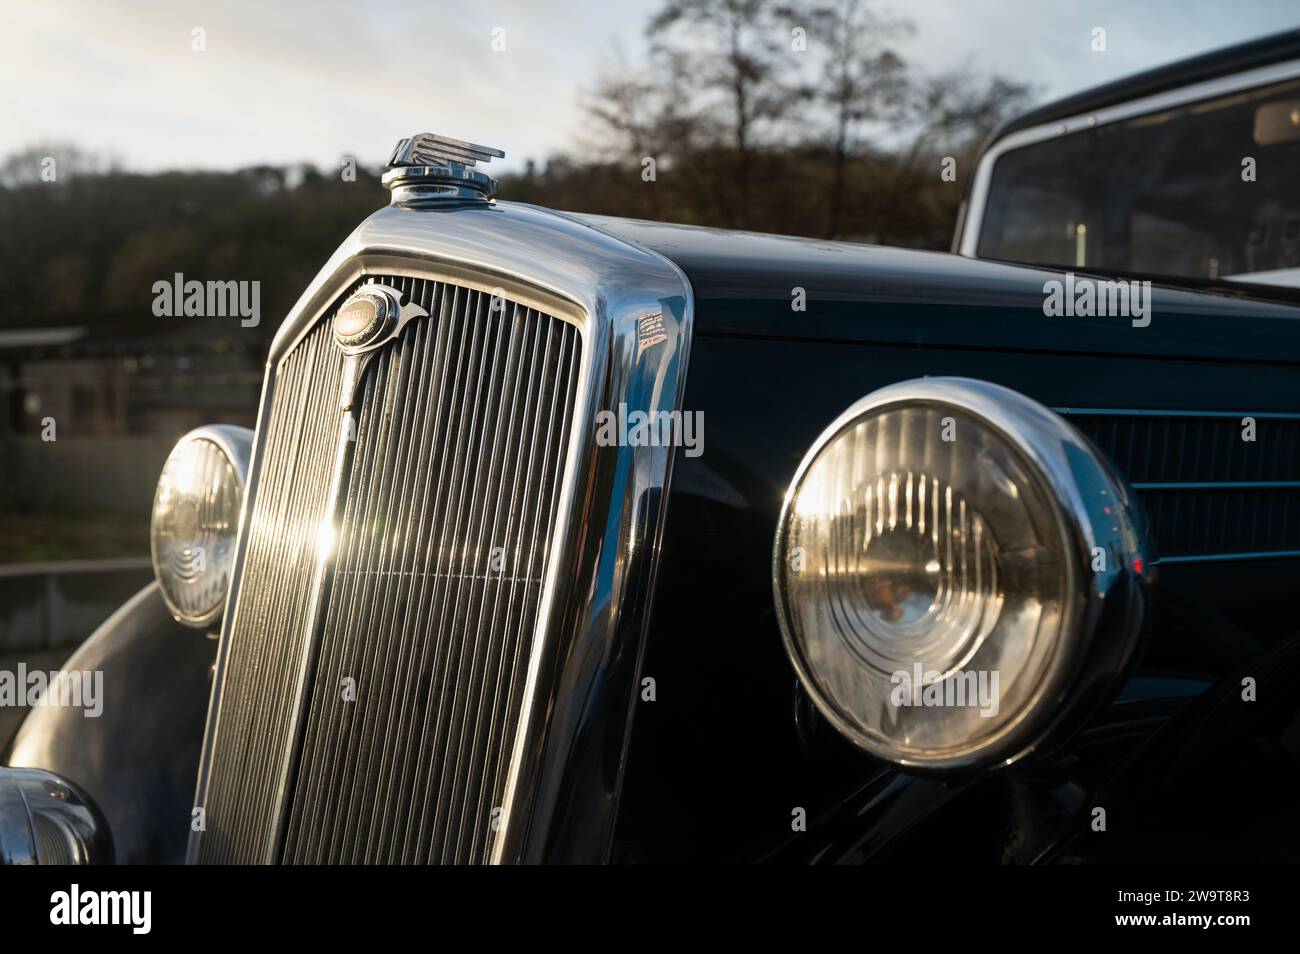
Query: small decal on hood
650,332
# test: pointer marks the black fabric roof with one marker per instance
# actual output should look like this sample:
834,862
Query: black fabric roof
1276,48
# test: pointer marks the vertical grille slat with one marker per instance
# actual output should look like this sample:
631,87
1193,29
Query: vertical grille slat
463,773
444,522
430,356
271,615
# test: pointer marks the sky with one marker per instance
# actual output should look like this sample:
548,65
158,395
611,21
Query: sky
291,81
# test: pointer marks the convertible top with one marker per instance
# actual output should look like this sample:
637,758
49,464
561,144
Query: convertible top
1265,51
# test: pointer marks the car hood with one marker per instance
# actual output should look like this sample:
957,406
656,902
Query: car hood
749,284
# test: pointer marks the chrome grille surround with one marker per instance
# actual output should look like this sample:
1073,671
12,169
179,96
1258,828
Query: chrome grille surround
565,763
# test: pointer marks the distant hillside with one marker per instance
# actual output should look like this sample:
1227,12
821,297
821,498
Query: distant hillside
88,250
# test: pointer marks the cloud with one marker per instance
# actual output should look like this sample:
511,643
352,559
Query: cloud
303,81
313,81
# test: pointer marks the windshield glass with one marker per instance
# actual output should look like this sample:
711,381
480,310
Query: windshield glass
1204,190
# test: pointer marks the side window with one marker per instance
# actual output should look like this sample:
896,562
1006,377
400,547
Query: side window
1203,190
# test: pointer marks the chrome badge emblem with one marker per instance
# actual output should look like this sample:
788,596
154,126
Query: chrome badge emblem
361,318
372,316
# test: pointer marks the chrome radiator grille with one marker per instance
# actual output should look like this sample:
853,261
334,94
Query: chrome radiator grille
1209,493
413,673
274,603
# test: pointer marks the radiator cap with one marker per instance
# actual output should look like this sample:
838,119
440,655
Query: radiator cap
427,169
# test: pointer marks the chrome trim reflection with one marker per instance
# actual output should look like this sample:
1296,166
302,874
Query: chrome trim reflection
47,820
1164,412
564,775
235,444
233,441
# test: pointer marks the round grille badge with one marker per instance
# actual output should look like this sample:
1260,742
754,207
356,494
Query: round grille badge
364,317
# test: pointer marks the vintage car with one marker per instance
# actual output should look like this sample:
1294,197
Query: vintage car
564,538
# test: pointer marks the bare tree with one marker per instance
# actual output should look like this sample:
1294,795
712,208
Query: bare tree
863,79
733,50
639,114
956,111
32,164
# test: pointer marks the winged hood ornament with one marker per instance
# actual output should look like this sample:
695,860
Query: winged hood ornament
431,169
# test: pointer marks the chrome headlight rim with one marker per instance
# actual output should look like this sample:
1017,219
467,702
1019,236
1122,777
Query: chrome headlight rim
1040,438
235,444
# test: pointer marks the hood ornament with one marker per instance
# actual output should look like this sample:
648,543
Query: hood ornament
433,170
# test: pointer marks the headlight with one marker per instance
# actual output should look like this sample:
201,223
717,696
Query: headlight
957,572
196,520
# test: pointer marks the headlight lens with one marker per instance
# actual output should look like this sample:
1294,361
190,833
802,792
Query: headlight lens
928,570
196,520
